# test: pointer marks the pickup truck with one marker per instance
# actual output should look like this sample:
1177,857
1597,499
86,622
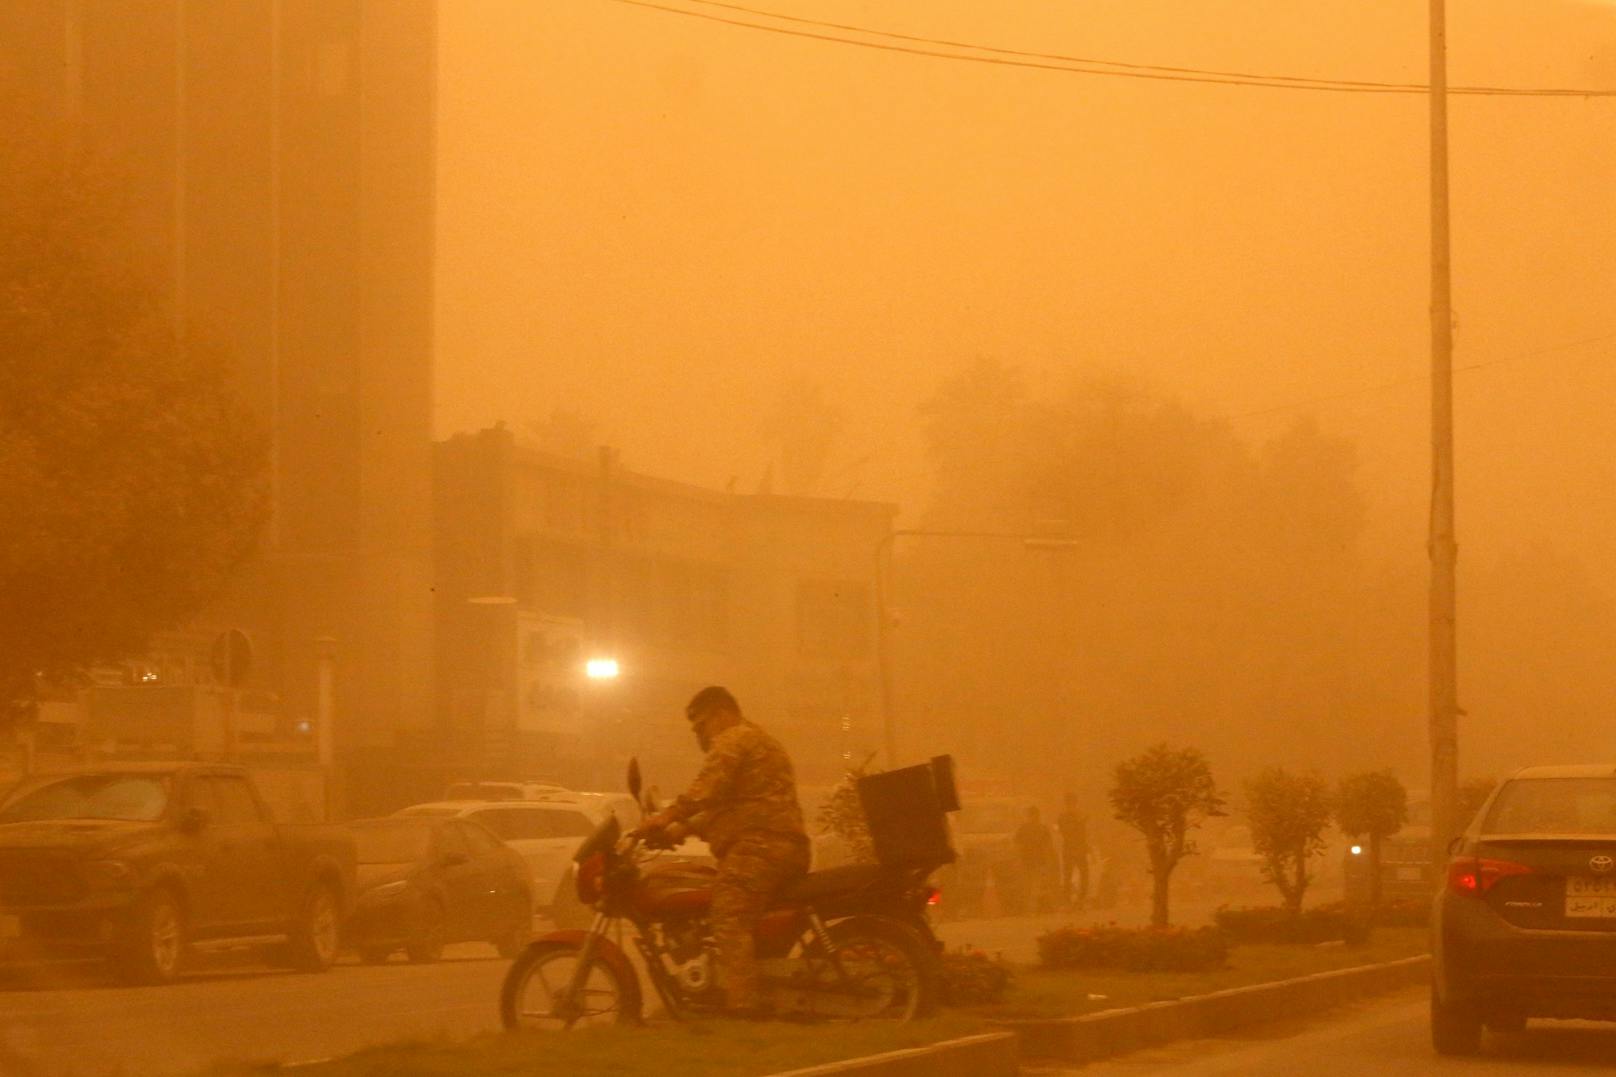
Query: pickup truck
142,863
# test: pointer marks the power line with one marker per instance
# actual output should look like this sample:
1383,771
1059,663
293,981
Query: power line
1056,62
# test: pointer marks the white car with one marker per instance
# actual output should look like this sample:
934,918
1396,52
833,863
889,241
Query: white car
544,832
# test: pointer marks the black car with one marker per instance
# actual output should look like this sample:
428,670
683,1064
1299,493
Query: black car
425,882
1526,924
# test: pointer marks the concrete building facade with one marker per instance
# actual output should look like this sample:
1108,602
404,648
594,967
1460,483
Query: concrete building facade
545,563
279,160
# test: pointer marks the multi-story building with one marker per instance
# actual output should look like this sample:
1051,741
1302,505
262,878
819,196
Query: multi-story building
278,158
547,563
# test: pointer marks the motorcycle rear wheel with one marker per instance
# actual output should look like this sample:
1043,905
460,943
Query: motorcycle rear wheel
531,995
889,973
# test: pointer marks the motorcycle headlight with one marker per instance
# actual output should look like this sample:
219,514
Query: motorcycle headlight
591,879
109,874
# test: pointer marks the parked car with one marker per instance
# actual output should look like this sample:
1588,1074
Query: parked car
501,790
1526,924
544,833
143,863
426,881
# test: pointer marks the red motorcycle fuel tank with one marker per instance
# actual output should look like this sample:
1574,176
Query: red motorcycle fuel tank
668,891
674,889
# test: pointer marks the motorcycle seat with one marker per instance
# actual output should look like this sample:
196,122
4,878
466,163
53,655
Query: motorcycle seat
820,884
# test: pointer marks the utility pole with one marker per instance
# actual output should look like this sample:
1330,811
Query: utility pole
1442,545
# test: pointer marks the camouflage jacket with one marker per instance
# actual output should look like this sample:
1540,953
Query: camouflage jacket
745,786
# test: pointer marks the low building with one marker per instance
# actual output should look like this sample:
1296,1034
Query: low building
545,564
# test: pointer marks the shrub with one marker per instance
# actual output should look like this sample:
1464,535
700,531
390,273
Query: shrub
1275,924
971,977
1147,949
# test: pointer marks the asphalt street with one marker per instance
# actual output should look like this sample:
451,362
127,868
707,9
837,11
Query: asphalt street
82,1025
1385,1037
75,1022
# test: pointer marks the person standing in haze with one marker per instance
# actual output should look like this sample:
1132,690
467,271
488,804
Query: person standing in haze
1035,849
744,805
1074,831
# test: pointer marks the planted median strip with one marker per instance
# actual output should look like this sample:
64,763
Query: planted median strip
1062,1013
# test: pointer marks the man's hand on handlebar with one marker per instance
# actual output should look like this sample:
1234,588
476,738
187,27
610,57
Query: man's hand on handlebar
659,832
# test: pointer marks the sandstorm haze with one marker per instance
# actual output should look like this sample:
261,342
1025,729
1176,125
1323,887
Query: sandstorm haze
668,226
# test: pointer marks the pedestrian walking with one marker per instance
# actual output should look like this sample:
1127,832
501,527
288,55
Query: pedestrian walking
1074,832
1035,850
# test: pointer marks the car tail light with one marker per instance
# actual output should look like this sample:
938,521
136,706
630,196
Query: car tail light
590,879
934,896
1472,875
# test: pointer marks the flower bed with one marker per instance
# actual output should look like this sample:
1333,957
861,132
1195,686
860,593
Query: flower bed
1149,949
972,978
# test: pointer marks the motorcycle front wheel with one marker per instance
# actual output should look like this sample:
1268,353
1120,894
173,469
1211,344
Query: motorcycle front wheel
886,973
535,992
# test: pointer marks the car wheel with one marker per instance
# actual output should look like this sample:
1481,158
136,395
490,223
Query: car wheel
153,945
1455,1028
317,931
425,945
515,938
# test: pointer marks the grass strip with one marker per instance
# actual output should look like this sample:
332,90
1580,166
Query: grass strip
665,1048
1068,993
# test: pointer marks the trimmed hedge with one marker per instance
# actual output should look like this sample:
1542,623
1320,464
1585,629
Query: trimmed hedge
1272,924
971,977
1134,949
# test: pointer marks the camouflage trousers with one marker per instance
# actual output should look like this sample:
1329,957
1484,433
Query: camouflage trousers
750,873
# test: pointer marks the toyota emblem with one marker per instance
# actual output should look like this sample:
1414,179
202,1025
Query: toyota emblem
1602,864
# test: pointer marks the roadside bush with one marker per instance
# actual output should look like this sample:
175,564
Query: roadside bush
971,977
1274,924
1134,949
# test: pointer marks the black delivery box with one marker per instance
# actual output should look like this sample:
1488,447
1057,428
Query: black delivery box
905,810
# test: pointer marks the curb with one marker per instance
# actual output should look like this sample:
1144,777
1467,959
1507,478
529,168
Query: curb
988,1054
1113,1032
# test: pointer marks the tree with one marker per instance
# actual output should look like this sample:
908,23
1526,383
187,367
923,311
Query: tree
1289,814
1374,806
1165,793
133,477
842,814
1473,792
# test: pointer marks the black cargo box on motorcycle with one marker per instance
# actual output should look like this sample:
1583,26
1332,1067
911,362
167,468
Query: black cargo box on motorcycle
906,810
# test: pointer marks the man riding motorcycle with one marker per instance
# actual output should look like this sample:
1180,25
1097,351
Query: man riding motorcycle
744,805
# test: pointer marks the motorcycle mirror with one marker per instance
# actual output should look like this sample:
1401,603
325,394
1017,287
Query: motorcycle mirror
634,782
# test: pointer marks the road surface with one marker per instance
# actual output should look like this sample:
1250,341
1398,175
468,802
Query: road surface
1385,1037
85,1025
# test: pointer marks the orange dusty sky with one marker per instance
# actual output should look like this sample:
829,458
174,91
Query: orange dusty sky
659,221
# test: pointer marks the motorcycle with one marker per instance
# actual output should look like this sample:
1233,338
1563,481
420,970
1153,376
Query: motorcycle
838,944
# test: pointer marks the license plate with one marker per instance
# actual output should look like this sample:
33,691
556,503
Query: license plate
10,927
1408,875
1590,899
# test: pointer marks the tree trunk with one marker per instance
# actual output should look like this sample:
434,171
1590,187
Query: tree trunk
1158,895
1374,872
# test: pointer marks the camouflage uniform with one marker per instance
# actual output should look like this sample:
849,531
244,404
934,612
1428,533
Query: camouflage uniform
744,805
